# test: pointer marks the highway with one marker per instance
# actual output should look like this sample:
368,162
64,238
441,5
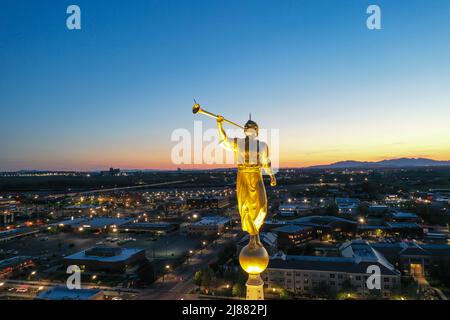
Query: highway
142,186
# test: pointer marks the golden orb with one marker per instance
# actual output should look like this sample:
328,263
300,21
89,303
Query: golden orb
254,258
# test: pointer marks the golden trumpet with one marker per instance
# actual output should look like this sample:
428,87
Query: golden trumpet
197,109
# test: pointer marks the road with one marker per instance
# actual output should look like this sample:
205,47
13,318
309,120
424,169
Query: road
179,283
142,186
174,285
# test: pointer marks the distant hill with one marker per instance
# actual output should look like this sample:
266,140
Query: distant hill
393,163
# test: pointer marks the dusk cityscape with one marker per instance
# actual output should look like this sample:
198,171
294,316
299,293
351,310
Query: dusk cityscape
252,152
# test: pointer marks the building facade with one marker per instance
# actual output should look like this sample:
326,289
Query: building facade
310,275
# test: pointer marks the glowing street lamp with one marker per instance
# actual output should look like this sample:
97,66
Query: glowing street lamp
167,270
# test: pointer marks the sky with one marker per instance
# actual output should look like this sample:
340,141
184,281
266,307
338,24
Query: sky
112,93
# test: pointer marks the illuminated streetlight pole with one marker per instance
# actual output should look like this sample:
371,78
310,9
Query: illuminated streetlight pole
167,269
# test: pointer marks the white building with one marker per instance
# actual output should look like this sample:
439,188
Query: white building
211,225
305,274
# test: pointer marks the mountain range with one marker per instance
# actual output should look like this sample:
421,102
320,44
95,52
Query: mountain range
392,163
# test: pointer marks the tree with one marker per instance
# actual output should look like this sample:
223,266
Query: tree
230,275
285,294
238,290
227,253
348,291
375,294
347,285
324,290
332,210
207,277
441,272
363,209
198,278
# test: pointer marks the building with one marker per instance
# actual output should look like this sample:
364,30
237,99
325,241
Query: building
327,227
106,258
378,210
413,258
7,210
347,206
63,293
268,239
271,224
207,202
405,229
404,217
292,236
11,234
394,199
211,225
80,209
174,206
14,265
111,172
437,237
306,275
293,209
93,224
148,227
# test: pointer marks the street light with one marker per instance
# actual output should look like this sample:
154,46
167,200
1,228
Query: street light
203,247
164,273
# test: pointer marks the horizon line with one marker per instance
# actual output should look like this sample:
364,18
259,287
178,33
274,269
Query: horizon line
212,167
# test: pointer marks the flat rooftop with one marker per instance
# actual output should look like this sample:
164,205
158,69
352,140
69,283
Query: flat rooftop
96,223
212,220
121,255
403,225
292,228
404,215
63,293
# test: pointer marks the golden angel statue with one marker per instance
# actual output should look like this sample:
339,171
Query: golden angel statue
252,156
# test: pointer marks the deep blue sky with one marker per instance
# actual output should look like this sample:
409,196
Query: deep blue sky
112,93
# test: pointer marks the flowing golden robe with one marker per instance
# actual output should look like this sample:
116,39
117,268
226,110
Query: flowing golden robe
252,156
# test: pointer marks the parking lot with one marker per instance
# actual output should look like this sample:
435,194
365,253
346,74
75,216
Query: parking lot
61,244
